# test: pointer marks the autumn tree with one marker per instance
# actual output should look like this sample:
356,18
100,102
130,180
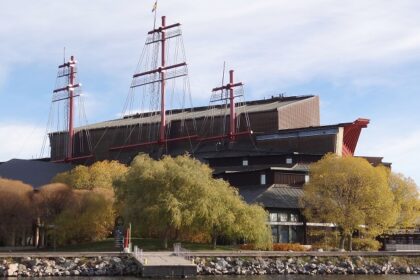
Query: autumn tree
175,195
16,212
406,197
87,218
350,193
102,174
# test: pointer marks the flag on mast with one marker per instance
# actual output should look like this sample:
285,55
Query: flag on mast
154,7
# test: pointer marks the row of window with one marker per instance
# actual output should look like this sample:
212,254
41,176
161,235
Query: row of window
245,161
287,234
284,217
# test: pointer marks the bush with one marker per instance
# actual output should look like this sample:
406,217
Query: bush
277,247
366,244
247,246
288,247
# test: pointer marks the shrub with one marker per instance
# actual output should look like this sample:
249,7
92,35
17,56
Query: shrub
247,246
365,244
277,247
288,247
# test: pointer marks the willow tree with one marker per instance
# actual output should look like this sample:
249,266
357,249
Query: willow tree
406,197
179,195
350,193
101,174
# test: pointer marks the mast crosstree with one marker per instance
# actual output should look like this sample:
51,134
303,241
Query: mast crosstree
62,116
162,56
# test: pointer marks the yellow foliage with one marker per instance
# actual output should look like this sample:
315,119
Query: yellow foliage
406,198
102,174
350,193
180,195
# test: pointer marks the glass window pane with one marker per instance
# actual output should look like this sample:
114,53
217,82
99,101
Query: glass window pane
283,217
273,217
275,233
294,217
284,234
263,179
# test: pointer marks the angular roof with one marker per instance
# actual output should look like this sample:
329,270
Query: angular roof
274,196
33,172
198,112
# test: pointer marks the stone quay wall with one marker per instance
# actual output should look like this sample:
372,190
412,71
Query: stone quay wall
307,265
68,266
125,265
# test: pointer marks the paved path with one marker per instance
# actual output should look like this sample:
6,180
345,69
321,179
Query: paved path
298,254
163,259
59,254
213,254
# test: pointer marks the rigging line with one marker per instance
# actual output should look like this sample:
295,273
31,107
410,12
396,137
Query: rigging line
184,57
89,139
125,106
44,141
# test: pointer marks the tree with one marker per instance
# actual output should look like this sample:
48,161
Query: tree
88,218
102,174
406,197
177,195
350,193
16,212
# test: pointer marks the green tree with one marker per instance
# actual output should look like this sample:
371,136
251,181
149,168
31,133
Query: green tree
176,195
350,193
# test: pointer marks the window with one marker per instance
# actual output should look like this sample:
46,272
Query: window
294,217
245,162
273,217
289,160
275,233
283,217
263,180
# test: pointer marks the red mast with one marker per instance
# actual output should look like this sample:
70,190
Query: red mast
232,116
71,109
69,71
162,85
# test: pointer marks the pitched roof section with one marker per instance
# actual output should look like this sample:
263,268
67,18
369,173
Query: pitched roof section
199,112
274,196
32,172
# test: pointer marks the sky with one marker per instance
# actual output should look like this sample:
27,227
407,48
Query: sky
361,57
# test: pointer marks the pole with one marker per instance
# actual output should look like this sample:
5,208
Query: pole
162,85
71,109
232,126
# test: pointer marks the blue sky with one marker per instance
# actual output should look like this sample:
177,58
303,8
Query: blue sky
361,57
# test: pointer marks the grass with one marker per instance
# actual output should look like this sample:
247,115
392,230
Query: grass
146,244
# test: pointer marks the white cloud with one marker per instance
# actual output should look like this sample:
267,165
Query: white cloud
281,42
20,140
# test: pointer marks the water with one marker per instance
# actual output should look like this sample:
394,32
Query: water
262,277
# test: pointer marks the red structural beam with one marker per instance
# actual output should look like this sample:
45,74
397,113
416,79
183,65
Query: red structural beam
221,137
72,159
133,146
164,27
69,87
351,135
160,69
67,64
228,86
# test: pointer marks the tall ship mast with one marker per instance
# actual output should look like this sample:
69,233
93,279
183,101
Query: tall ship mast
67,111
